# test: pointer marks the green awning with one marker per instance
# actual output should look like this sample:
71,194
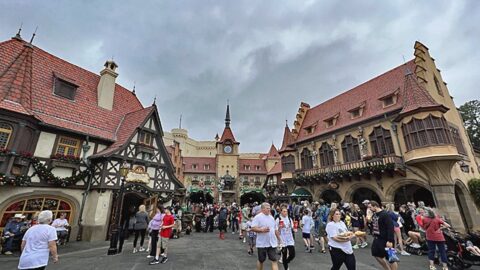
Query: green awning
301,192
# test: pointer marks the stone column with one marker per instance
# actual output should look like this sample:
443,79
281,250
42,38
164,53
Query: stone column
447,205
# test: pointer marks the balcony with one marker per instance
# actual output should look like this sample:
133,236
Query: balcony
354,170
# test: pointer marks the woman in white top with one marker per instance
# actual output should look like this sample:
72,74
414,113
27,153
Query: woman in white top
61,224
339,243
285,227
38,242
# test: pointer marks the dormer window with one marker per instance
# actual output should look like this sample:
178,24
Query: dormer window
206,167
257,168
194,166
64,88
389,99
246,167
357,111
145,138
331,121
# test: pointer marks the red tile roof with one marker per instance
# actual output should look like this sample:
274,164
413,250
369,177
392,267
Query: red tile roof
369,91
227,135
125,131
277,169
200,162
273,152
82,115
416,98
287,139
253,163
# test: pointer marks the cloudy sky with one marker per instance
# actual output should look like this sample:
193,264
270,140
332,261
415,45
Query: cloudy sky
264,56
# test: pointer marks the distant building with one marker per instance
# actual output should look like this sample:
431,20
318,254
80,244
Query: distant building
395,138
65,133
217,171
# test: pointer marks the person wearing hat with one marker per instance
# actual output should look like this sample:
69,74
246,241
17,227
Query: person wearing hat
12,231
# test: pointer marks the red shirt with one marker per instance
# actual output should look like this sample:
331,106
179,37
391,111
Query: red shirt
167,220
419,220
432,229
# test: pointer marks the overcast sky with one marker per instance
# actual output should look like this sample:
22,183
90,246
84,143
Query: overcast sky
264,56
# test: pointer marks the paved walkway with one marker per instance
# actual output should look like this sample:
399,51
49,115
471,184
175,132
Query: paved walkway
197,251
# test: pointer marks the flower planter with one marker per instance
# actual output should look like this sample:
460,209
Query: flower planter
22,161
66,164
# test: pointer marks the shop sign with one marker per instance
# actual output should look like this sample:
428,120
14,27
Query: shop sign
138,175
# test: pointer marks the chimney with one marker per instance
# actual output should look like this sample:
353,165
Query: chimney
106,85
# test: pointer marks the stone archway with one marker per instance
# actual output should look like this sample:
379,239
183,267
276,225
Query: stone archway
359,192
330,195
394,188
414,193
463,200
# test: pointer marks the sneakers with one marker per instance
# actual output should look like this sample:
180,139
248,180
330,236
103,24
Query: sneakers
355,247
135,250
250,253
280,260
141,249
364,245
164,260
432,267
244,240
404,253
149,256
154,261
148,250
415,245
8,253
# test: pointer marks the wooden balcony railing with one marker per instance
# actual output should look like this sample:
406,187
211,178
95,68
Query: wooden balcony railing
366,168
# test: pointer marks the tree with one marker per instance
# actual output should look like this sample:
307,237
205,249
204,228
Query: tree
470,112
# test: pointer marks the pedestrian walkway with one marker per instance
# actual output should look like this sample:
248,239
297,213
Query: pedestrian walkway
198,251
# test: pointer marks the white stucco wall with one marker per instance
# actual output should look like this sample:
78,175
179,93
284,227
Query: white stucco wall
45,144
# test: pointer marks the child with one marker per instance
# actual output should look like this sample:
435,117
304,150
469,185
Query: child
251,235
307,223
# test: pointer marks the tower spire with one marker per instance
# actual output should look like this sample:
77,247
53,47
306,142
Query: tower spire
227,116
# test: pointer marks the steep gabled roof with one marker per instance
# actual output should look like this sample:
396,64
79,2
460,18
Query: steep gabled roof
287,139
416,98
126,130
83,115
227,135
273,153
370,92
277,169
253,163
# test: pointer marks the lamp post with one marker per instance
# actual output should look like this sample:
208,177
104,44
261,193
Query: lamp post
118,203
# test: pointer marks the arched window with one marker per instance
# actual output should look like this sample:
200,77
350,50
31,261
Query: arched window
6,131
420,133
326,155
288,163
29,206
306,159
381,142
350,149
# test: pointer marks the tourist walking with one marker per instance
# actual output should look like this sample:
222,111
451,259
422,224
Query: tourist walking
155,225
384,236
307,224
140,227
166,231
222,221
397,224
285,227
245,219
38,242
433,226
322,215
251,235
339,237
358,224
267,236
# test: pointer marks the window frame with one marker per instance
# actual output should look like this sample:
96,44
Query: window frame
429,131
438,86
350,149
381,142
142,135
77,147
6,131
58,82
306,159
288,163
457,140
326,155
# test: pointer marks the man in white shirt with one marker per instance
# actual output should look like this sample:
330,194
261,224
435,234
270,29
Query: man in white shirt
267,237
60,224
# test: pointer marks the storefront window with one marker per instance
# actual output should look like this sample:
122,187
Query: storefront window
29,206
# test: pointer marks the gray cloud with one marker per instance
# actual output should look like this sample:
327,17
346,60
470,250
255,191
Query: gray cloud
264,56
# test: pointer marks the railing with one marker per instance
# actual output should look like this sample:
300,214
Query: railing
373,162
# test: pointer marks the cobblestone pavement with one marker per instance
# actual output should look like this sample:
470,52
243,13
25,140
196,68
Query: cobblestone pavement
198,251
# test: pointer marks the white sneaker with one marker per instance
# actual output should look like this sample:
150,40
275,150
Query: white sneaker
141,249
149,256
148,250
280,260
355,247
364,245
135,250
244,240
404,253
233,232
415,245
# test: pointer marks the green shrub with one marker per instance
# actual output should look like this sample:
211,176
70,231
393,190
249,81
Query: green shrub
474,186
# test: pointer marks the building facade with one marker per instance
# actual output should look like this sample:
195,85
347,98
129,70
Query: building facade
65,135
395,138
216,171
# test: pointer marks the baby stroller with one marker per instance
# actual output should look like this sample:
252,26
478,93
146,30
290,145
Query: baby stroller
457,254
412,248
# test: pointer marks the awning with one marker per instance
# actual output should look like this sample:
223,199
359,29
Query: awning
301,192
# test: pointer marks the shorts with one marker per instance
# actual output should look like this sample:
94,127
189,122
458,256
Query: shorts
243,227
306,235
164,242
251,241
263,252
397,229
378,248
321,230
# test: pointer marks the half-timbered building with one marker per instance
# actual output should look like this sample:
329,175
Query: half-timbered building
66,132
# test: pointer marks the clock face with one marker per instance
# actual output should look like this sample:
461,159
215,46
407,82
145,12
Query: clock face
227,149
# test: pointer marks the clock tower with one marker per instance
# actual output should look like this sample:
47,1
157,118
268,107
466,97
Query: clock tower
227,150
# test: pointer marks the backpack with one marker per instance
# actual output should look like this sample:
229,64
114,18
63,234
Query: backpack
324,215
